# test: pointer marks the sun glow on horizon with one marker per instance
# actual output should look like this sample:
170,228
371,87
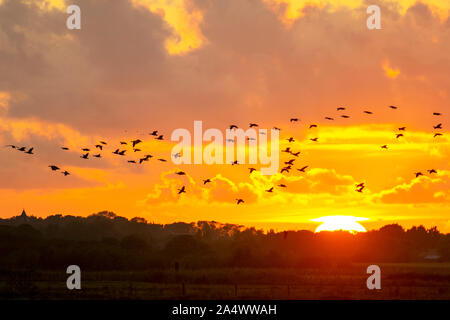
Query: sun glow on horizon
344,223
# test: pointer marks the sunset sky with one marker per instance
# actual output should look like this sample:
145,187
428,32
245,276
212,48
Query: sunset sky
142,65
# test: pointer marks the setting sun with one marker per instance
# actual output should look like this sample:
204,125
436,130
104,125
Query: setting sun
345,223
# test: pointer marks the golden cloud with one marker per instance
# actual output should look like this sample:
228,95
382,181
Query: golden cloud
425,189
22,129
4,100
183,18
390,72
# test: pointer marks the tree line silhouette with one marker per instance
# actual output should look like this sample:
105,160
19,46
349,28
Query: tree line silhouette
105,241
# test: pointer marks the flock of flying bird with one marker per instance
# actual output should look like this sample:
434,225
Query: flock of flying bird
360,186
288,164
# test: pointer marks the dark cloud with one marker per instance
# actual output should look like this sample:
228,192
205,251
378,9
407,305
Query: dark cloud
115,73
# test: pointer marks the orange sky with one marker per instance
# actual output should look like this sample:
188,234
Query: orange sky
137,66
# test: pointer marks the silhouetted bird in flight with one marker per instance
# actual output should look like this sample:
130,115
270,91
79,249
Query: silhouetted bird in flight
360,185
400,135
22,149
368,112
360,190
161,137
180,173
402,128
154,133
54,168
438,135
276,128
148,156
329,118
418,174
291,139
85,149
97,155
182,190
234,162
102,142
64,148
288,150
285,169
290,162
239,201
282,185
313,126
340,109
65,173
84,156
251,169
123,142
11,146
439,126
30,151
437,114
162,160
131,161
432,171
136,150
135,142
252,125
345,116
384,147
303,169
393,107
120,153
270,190
233,126
99,146
314,139
293,120
206,181
295,154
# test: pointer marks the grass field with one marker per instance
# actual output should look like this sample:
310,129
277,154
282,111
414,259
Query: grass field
399,281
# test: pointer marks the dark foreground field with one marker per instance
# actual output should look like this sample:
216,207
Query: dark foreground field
399,281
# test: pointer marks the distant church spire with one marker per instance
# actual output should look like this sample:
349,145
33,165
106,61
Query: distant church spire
24,214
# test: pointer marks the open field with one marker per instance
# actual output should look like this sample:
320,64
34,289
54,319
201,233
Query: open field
399,281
